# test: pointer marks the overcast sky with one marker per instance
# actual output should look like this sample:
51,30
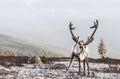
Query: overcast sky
47,21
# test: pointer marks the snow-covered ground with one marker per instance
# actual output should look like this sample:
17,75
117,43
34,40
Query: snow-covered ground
57,70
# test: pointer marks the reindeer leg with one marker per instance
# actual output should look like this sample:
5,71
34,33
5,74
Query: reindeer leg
84,66
72,56
87,66
79,64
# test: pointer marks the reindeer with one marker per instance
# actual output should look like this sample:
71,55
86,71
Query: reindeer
80,50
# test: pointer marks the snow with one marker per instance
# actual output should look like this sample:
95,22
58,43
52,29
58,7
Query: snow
45,71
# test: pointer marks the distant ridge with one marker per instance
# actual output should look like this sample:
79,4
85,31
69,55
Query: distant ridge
23,48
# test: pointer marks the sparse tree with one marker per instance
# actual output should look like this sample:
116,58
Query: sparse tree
10,53
101,48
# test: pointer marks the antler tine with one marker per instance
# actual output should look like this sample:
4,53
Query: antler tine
90,39
72,28
97,22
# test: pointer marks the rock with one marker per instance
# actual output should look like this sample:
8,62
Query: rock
59,66
18,64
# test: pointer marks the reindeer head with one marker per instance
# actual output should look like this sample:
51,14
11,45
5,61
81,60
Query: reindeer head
89,39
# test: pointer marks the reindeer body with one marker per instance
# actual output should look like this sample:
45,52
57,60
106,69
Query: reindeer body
80,49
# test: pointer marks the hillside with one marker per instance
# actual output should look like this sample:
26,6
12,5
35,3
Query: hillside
25,48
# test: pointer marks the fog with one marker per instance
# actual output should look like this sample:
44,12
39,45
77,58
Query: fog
47,21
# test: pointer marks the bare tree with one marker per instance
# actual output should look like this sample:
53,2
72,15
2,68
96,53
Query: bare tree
102,49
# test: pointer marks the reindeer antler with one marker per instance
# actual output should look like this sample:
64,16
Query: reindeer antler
90,39
72,28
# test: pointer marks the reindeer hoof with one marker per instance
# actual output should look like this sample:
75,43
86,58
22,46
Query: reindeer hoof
83,74
88,74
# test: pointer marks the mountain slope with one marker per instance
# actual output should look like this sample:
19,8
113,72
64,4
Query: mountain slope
23,48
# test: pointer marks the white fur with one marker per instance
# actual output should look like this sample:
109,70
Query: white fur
82,53
76,49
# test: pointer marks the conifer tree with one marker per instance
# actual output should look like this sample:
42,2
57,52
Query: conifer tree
101,48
